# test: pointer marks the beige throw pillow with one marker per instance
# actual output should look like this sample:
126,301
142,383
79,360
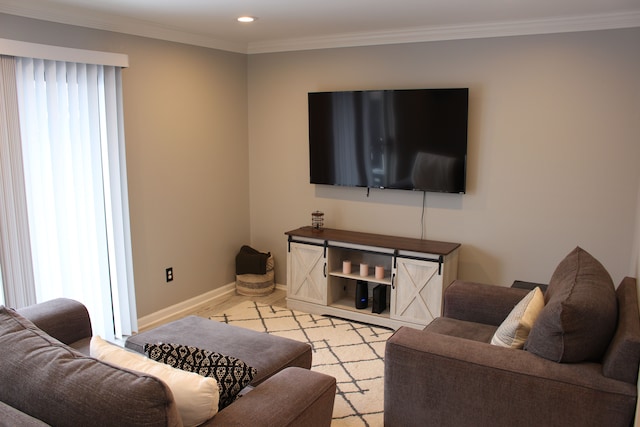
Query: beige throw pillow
513,332
196,396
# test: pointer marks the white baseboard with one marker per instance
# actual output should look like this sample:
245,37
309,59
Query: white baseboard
181,309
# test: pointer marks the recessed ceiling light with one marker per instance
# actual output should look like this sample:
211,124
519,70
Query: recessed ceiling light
246,19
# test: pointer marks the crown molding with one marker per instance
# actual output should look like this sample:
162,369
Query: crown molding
120,24
453,32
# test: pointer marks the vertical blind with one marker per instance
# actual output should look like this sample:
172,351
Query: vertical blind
76,189
15,247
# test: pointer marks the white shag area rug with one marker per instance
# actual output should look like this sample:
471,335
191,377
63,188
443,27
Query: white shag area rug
351,352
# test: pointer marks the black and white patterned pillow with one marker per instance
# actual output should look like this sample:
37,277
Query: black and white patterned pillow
231,373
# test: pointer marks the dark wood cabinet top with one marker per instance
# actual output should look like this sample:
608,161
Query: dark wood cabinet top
378,240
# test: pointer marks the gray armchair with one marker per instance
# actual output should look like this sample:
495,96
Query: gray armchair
450,375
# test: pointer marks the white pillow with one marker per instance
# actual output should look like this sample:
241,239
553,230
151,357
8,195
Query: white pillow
513,332
196,396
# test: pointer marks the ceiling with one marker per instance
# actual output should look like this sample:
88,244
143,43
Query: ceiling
285,25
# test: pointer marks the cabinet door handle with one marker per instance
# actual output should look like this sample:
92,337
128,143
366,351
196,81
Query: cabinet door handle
324,270
393,281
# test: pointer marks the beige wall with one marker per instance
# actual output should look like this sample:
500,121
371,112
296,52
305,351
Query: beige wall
553,152
553,149
635,268
187,157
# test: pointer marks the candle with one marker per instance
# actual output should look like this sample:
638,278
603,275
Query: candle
346,267
364,270
379,272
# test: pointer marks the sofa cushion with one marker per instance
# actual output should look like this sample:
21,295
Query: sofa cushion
231,373
580,313
513,332
196,396
48,380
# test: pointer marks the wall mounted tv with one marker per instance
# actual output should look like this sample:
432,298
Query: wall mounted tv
410,139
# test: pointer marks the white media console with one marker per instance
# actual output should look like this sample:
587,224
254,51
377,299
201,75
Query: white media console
416,273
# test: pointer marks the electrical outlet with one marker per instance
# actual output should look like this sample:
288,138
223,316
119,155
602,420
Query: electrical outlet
169,274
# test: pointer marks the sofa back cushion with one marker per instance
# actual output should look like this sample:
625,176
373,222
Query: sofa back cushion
48,380
623,355
580,313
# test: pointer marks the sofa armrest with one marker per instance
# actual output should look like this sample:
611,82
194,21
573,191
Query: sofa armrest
480,303
10,416
64,319
292,397
441,380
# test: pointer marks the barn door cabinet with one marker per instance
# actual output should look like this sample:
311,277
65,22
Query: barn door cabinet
416,273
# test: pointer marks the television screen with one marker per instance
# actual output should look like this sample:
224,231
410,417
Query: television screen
412,139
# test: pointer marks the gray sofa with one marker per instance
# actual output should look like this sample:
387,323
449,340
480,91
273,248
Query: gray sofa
48,379
450,375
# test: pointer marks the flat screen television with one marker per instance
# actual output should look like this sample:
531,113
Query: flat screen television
410,139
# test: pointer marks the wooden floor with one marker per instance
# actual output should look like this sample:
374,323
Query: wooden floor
277,298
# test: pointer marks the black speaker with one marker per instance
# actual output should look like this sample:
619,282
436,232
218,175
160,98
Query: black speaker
362,294
379,299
